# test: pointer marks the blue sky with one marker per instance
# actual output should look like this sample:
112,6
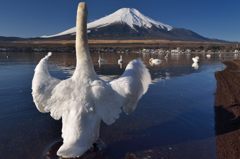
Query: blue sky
211,18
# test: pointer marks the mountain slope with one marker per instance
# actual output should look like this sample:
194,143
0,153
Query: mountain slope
4,38
131,17
129,23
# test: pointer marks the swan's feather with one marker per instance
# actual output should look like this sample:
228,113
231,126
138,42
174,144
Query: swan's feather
42,85
83,100
122,93
131,85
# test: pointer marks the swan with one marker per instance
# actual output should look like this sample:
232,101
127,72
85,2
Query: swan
195,59
84,100
153,61
220,55
195,62
195,65
208,56
101,61
120,61
166,56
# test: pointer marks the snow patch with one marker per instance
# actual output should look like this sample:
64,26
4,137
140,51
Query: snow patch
130,16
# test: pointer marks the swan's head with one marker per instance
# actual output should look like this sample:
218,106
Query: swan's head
195,59
82,6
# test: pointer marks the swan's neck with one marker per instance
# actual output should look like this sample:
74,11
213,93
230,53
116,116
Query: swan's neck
84,62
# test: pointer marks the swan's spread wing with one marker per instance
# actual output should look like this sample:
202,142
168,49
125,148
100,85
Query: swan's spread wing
42,86
105,101
124,92
131,85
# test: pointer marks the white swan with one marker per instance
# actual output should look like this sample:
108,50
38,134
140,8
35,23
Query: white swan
195,62
84,100
220,55
153,61
101,61
195,59
120,62
208,56
195,65
166,56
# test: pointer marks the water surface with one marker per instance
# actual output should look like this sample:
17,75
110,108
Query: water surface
175,119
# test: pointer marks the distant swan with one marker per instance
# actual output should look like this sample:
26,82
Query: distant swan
208,56
220,55
84,100
166,56
101,61
153,61
120,61
195,64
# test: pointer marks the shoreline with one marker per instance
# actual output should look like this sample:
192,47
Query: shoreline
43,45
227,110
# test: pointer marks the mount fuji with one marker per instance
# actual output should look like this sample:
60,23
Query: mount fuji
129,23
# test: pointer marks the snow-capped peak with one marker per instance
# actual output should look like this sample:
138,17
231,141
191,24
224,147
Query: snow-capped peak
130,16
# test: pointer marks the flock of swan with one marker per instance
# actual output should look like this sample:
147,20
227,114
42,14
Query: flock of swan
195,60
152,61
102,61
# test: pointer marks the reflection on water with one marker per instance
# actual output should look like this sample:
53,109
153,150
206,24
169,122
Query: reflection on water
195,65
108,64
175,119
227,111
